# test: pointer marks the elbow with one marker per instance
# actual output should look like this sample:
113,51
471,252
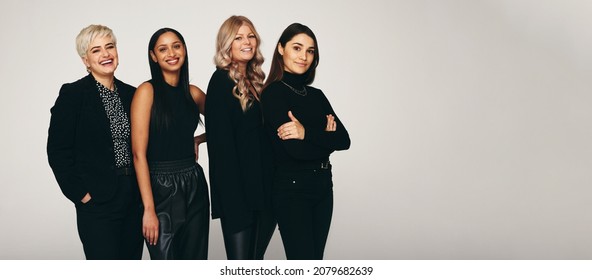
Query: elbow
138,156
345,145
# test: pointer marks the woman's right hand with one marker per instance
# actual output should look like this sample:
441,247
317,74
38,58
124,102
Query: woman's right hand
292,129
150,227
86,198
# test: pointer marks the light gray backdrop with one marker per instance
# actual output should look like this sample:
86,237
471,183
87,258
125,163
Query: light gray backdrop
470,120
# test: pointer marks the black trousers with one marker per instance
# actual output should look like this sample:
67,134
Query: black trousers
251,242
182,206
112,230
303,206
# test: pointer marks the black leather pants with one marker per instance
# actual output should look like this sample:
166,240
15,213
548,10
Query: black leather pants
251,242
183,209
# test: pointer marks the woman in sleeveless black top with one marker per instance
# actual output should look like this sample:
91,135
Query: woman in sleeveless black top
165,113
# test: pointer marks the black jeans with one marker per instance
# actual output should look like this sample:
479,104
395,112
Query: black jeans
112,230
303,205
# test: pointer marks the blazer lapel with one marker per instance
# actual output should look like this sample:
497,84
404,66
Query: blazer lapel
96,107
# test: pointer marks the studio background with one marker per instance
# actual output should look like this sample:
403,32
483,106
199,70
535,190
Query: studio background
470,121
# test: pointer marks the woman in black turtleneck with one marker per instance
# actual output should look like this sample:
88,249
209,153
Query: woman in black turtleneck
304,130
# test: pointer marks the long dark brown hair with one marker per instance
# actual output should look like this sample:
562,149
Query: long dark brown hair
277,63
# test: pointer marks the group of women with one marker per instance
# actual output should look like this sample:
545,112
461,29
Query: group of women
127,157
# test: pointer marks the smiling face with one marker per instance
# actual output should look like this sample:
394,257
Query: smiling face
169,52
101,58
298,54
244,45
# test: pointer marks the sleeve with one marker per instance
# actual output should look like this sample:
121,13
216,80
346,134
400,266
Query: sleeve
61,144
225,180
334,140
275,111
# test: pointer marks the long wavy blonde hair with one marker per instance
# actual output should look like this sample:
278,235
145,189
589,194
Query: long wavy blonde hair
223,60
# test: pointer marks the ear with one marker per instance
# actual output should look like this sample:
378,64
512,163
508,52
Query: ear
153,56
280,49
85,61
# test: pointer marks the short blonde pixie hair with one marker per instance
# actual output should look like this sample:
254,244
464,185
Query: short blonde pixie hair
89,33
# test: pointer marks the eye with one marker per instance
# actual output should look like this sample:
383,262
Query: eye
311,51
252,36
94,51
177,46
238,38
110,47
297,48
162,50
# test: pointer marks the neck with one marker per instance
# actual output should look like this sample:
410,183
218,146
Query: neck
296,80
242,68
171,78
106,81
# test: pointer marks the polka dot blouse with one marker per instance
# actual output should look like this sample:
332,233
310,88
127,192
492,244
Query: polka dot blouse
119,123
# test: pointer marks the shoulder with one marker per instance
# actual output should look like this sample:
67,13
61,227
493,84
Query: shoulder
196,93
124,87
84,82
143,98
75,90
220,74
316,92
144,90
272,91
313,89
220,86
220,78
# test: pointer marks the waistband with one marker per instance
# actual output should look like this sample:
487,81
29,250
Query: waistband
125,171
313,165
172,165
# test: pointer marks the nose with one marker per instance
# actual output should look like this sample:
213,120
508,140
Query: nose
104,52
304,56
170,52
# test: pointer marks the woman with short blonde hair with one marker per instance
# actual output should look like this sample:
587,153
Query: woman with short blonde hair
89,151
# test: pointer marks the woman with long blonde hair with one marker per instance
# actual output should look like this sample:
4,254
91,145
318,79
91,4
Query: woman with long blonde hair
239,152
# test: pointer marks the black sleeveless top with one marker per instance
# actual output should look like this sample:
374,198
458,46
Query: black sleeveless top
176,140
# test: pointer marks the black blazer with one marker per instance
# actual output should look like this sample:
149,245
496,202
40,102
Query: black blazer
79,145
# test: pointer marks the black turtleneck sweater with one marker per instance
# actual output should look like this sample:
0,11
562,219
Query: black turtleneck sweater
310,109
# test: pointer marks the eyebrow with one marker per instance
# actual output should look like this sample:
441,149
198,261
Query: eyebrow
299,44
175,42
108,44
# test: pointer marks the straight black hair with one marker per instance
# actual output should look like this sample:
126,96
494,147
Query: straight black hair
161,110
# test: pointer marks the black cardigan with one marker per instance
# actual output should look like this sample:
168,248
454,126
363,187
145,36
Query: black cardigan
240,157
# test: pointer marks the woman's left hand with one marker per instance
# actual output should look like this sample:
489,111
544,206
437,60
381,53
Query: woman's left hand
196,141
292,129
331,124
